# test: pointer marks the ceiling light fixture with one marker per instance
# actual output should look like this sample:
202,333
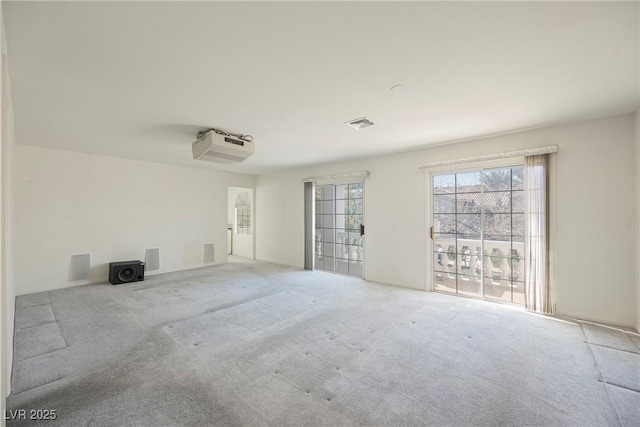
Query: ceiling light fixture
360,123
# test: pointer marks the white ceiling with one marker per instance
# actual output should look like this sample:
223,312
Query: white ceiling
138,80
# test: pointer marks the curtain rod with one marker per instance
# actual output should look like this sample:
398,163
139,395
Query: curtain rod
497,156
338,176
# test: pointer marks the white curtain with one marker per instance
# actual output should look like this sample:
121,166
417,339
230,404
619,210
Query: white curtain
537,295
309,216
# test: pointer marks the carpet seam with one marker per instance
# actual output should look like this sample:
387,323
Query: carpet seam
64,340
42,354
38,355
38,386
35,326
34,306
621,386
615,411
611,348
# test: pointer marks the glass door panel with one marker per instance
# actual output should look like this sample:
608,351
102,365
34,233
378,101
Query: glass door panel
478,233
353,250
341,248
324,252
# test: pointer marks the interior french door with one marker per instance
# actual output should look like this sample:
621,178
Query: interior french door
478,233
339,228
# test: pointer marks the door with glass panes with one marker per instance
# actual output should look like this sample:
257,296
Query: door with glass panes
478,233
339,228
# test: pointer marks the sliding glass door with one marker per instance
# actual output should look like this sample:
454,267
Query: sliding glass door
339,229
478,233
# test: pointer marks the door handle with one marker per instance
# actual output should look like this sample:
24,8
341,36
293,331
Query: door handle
362,229
432,236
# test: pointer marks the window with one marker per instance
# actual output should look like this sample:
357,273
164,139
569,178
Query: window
243,214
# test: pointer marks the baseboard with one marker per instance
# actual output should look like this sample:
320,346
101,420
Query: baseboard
611,321
97,281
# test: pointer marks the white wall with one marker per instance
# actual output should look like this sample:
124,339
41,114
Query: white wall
69,203
242,243
7,295
593,200
637,197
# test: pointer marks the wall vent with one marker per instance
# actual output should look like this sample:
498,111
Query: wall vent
80,267
152,259
207,253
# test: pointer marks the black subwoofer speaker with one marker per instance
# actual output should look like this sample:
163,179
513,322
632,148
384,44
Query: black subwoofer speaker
126,272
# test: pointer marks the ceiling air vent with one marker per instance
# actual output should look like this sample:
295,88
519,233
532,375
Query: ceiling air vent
360,123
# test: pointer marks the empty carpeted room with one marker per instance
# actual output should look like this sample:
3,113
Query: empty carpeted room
320,213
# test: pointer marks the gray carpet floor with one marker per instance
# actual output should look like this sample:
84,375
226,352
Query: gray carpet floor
257,344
